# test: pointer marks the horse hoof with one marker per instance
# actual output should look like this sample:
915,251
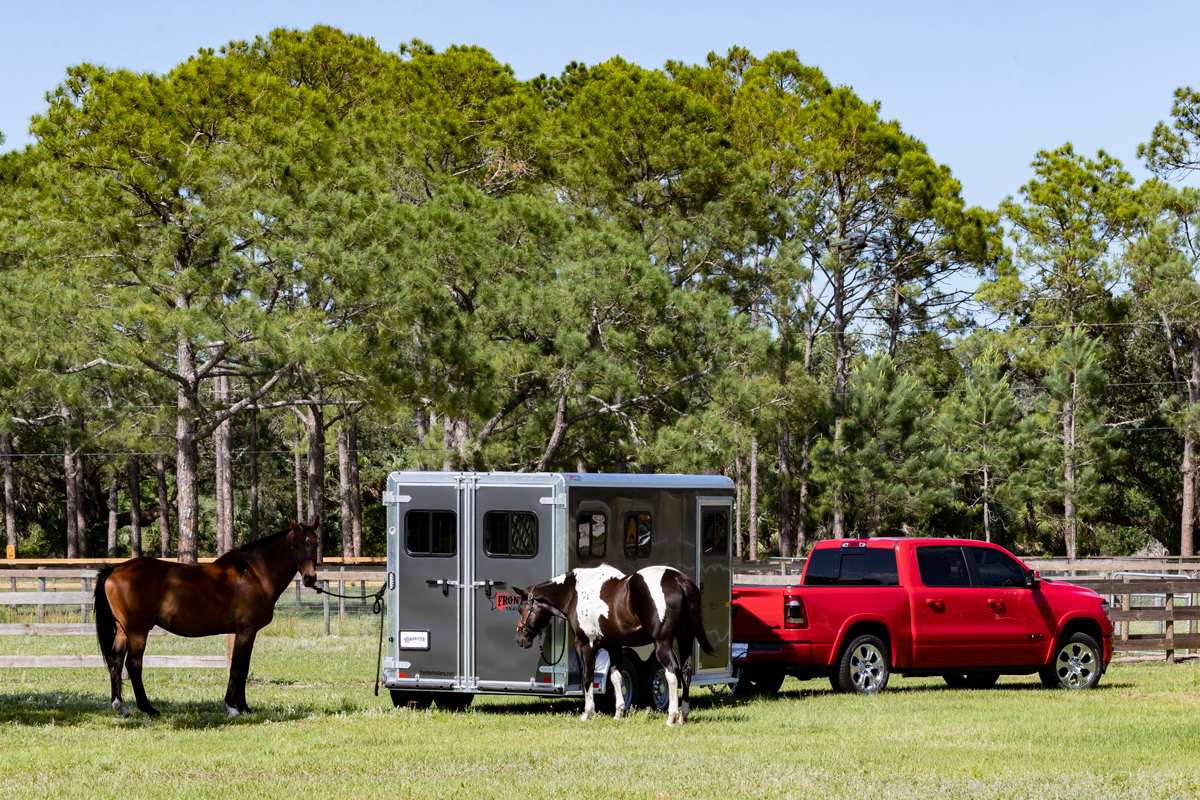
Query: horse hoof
150,711
231,712
120,708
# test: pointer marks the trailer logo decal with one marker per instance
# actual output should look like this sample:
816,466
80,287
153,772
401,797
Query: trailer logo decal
414,640
506,602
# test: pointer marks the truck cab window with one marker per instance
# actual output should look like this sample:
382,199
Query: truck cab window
823,567
996,568
714,533
638,528
943,565
592,532
510,534
430,533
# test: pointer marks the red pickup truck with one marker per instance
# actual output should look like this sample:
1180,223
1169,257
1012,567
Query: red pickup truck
967,611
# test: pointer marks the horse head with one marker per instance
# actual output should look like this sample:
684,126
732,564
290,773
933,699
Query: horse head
304,549
535,613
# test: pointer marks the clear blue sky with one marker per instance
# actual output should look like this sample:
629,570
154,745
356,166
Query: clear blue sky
984,84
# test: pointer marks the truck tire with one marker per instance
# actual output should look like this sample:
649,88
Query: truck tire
758,681
1076,665
864,667
407,698
974,680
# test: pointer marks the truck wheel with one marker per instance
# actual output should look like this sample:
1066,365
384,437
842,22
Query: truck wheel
1076,664
863,668
757,681
975,680
406,698
454,701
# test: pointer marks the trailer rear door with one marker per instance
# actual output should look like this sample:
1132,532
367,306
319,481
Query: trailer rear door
714,574
514,542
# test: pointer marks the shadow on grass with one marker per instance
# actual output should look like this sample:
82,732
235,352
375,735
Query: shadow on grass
80,708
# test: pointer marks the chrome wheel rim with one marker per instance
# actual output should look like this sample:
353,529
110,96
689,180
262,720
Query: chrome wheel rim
867,668
1075,665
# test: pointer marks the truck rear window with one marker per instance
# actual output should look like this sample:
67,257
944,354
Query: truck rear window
870,566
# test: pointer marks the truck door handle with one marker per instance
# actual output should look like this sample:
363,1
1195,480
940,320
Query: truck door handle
997,605
937,605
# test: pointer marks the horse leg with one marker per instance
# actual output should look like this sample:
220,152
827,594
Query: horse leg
239,671
666,657
687,681
587,672
614,675
137,647
115,660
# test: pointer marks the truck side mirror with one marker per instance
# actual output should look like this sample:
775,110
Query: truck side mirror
1033,579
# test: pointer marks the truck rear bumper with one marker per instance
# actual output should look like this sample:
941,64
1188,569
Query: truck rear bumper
772,653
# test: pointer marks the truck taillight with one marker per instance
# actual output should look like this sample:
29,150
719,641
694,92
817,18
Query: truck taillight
793,612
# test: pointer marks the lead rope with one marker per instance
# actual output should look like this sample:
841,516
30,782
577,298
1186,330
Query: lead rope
377,607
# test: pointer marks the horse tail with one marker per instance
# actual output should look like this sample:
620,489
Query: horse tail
106,623
695,608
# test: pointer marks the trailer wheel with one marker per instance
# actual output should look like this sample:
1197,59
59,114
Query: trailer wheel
407,698
453,701
631,679
758,680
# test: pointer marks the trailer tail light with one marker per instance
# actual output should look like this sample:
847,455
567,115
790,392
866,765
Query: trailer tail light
793,612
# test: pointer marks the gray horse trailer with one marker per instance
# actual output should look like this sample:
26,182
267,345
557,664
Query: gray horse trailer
459,543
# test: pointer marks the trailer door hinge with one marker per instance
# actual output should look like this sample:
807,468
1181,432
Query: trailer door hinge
553,501
392,498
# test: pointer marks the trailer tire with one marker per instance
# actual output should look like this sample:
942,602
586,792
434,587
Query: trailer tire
454,701
758,681
407,698
631,680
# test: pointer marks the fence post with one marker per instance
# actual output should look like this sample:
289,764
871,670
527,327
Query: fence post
1125,606
298,600
83,587
1169,628
342,595
41,609
325,608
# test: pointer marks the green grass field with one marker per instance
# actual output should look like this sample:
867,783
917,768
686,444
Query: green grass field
317,729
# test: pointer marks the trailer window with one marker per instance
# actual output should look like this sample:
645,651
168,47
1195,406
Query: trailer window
943,566
430,533
592,535
510,534
714,532
638,529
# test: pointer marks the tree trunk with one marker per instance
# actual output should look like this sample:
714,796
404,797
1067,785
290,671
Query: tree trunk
223,447
135,507
71,487
737,507
80,493
343,447
786,543
559,432
753,537
187,455
164,505
112,516
1187,542
802,500
1069,476
10,504
298,465
841,360
254,473
314,430
447,444
355,490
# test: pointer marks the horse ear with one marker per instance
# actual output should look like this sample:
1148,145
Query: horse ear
291,523
314,523
521,593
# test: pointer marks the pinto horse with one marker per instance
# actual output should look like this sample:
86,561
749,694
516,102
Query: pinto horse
234,594
608,610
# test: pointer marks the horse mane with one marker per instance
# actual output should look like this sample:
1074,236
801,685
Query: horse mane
274,537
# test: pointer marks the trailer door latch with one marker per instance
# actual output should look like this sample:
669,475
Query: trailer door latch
445,584
487,587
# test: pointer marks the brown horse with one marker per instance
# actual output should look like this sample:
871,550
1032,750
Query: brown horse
609,611
234,594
